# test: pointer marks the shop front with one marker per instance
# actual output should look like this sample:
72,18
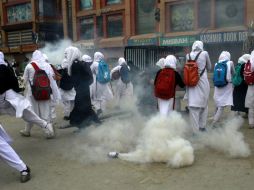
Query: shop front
217,42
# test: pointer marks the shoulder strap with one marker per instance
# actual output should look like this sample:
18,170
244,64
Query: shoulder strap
196,58
202,72
36,68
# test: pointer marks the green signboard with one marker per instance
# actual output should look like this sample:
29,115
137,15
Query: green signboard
178,41
142,42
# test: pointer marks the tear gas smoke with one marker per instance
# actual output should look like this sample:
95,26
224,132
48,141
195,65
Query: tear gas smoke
162,141
55,52
93,144
227,139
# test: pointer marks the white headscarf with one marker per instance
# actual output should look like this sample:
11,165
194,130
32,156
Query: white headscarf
170,61
252,57
198,46
46,57
71,54
64,64
161,62
121,61
2,62
87,59
244,59
224,56
39,58
98,56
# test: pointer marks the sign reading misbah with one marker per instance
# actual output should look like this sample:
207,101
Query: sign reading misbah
178,41
224,37
143,42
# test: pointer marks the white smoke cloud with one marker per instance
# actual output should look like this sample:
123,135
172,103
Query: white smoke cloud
93,143
227,139
162,141
55,51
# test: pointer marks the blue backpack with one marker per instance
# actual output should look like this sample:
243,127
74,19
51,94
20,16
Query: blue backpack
124,74
220,74
103,75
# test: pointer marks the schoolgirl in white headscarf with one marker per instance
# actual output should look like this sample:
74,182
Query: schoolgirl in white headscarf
71,53
198,95
100,93
249,100
223,96
167,106
123,92
41,108
240,91
54,101
161,63
14,104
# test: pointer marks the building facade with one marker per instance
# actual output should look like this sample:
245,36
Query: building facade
141,30
27,25
145,30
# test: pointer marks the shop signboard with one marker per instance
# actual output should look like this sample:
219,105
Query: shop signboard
224,37
143,42
177,41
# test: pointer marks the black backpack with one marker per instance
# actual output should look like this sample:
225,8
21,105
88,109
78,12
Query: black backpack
66,82
125,74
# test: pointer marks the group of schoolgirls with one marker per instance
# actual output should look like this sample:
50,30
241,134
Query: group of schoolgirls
85,86
233,85
195,81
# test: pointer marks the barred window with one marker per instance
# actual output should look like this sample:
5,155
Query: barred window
86,28
114,25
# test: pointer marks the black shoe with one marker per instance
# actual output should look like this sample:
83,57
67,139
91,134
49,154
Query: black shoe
202,129
25,175
67,118
99,111
113,154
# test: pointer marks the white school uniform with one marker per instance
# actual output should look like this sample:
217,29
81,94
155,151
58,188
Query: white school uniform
198,95
249,100
122,91
8,154
100,93
223,96
41,108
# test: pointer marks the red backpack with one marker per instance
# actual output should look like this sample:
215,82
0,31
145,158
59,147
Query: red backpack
165,84
248,74
190,71
41,89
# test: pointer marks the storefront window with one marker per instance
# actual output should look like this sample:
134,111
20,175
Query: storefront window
19,13
182,17
145,21
48,8
229,13
86,4
99,26
114,26
86,28
111,2
204,14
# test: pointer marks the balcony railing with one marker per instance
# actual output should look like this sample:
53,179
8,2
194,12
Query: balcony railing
21,37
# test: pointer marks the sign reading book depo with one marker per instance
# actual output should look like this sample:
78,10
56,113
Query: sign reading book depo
224,37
